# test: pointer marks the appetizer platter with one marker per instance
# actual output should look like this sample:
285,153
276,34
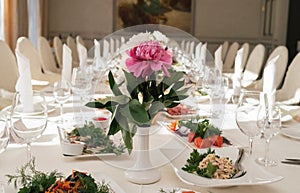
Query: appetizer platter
197,132
89,140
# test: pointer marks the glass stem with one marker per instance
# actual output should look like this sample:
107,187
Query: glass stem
250,145
267,152
28,152
61,113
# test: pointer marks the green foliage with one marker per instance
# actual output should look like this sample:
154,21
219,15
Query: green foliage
31,180
201,129
193,163
146,98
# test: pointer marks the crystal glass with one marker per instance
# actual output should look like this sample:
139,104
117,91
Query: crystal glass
28,126
246,115
269,121
61,92
4,133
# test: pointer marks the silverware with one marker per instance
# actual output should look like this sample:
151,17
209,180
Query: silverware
226,141
238,166
295,161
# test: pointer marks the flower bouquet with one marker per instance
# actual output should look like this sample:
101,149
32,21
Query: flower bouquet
150,83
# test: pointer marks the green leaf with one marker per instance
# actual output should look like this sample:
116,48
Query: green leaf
155,108
113,86
114,127
135,112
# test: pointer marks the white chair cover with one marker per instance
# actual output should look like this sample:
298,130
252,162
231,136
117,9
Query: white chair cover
245,47
46,55
230,57
72,45
57,45
225,46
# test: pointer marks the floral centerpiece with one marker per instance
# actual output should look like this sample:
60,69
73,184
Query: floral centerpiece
150,83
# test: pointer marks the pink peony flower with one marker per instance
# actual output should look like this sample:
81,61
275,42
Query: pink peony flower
147,58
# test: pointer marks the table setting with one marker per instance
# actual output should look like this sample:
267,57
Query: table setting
146,127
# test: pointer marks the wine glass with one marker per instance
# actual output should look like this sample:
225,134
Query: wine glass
61,92
269,121
4,133
28,126
246,115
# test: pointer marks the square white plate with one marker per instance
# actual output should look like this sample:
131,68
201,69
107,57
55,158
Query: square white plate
255,174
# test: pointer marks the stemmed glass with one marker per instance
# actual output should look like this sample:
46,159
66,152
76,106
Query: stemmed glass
246,115
61,92
29,126
269,121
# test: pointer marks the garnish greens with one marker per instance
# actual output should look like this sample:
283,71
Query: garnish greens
31,180
95,137
164,191
201,129
193,163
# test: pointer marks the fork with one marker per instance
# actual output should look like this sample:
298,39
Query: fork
238,166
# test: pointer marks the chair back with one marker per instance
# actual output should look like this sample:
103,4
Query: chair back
291,84
80,40
57,45
72,45
245,46
9,69
46,55
230,57
225,46
254,63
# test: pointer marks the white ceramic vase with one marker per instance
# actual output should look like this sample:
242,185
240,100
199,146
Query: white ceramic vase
142,171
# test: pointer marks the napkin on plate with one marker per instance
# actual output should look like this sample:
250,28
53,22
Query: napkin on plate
105,48
218,58
238,70
198,50
100,64
82,53
23,85
203,54
67,64
269,80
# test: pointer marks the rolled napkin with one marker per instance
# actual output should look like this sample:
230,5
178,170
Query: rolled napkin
269,80
218,58
112,45
97,49
198,50
67,64
203,54
105,49
82,53
23,85
238,70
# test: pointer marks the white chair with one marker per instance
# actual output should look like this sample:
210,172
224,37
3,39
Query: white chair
290,90
72,45
80,40
57,45
25,47
246,47
254,65
281,65
9,68
230,57
46,55
225,46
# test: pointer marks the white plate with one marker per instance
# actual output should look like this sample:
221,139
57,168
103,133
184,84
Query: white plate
37,111
291,132
286,118
255,174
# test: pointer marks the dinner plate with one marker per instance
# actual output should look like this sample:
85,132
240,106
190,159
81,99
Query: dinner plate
201,113
255,175
291,132
37,110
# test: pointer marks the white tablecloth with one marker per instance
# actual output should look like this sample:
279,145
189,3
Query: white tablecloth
48,156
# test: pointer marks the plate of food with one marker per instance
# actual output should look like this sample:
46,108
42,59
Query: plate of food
28,179
215,168
197,132
89,140
175,190
182,111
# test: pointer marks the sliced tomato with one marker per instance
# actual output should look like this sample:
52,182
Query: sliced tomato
191,136
219,141
206,142
187,191
173,125
198,142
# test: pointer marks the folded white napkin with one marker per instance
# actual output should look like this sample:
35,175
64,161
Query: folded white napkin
218,58
198,50
105,49
23,85
82,53
238,70
269,80
203,54
99,63
112,45
192,47
67,64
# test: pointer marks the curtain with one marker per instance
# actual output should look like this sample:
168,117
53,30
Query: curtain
1,19
33,21
15,21
43,18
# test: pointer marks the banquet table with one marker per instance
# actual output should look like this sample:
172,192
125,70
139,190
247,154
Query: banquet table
49,157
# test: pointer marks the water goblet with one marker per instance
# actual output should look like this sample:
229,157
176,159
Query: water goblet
269,121
61,92
28,126
246,115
